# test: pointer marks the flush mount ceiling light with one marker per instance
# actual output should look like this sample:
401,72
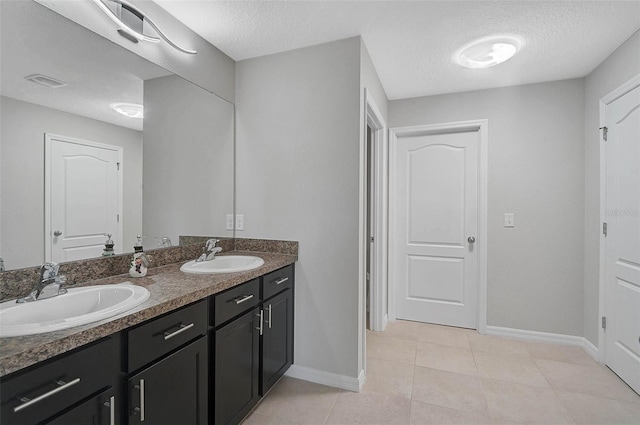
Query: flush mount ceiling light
131,110
132,29
488,51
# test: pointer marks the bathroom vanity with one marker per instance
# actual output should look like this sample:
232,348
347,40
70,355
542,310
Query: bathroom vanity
202,350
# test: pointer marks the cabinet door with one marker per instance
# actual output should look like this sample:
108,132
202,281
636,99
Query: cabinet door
99,410
236,368
172,391
277,339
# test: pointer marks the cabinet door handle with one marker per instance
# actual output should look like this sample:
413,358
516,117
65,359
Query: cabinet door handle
140,387
169,335
269,314
283,280
111,404
261,316
243,298
29,402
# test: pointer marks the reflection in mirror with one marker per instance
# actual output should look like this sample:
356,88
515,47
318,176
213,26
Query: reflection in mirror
164,175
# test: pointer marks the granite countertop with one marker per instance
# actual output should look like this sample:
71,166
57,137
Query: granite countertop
170,289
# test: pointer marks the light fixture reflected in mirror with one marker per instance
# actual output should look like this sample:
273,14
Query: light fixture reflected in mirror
488,51
131,110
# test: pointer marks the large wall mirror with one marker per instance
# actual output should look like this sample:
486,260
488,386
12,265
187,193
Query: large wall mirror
72,169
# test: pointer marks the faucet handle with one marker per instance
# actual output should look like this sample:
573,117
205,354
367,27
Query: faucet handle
49,270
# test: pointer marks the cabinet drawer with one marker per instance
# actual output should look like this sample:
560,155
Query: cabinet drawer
277,281
60,383
157,337
237,300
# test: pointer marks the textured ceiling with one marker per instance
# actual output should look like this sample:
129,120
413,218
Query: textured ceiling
411,42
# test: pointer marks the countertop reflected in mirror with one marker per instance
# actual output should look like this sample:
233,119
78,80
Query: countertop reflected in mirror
177,166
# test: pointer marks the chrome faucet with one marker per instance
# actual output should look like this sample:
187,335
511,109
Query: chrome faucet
49,285
209,251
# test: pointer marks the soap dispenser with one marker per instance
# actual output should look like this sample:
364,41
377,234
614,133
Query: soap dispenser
138,246
108,247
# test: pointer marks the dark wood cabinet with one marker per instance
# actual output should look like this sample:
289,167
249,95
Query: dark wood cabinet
173,390
236,381
102,409
277,339
45,391
254,349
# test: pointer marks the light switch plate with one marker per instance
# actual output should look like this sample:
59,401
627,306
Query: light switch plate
229,222
509,220
239,221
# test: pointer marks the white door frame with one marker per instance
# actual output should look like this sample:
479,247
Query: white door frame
606,100
48,138
378,284
481,126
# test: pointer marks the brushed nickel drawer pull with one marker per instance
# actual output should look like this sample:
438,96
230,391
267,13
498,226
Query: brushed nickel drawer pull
243,298
269,321
111,404
29,402
261,327
168,335
141,408
283,280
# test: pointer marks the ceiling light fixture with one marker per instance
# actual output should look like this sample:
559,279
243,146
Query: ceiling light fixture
131,110
488,51
132,34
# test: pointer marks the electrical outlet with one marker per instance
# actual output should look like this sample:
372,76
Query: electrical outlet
229,221
509,220
239,221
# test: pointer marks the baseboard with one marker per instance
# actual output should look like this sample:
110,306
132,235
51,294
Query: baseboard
575,341
326,378
385,321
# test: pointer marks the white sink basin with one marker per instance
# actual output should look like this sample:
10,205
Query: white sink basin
78,306
223,264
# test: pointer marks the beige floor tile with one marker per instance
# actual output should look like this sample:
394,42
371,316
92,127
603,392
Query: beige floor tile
524,404
394,349
256,418
299,402
509,367
444,335
560,353
431,414
389,377
401,329
590,410
452,359
448,389
370,408
496,344
597,381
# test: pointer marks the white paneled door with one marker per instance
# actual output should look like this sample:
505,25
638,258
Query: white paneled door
82,198
622,252
435,203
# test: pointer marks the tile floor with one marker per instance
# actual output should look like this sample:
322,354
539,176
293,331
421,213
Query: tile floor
421,374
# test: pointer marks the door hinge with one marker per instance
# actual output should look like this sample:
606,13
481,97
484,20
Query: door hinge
118,217
605,133
118,165
604,229
604,322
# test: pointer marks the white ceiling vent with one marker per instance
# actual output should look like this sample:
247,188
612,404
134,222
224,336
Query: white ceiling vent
43,80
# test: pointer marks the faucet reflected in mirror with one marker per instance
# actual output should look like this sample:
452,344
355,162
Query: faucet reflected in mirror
49,285
156,199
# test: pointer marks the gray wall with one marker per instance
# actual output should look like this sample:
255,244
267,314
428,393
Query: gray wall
298,129
22,174
618,68
536,170
188,160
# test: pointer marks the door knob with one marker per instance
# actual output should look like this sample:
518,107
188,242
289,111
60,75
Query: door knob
471,239
57,233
